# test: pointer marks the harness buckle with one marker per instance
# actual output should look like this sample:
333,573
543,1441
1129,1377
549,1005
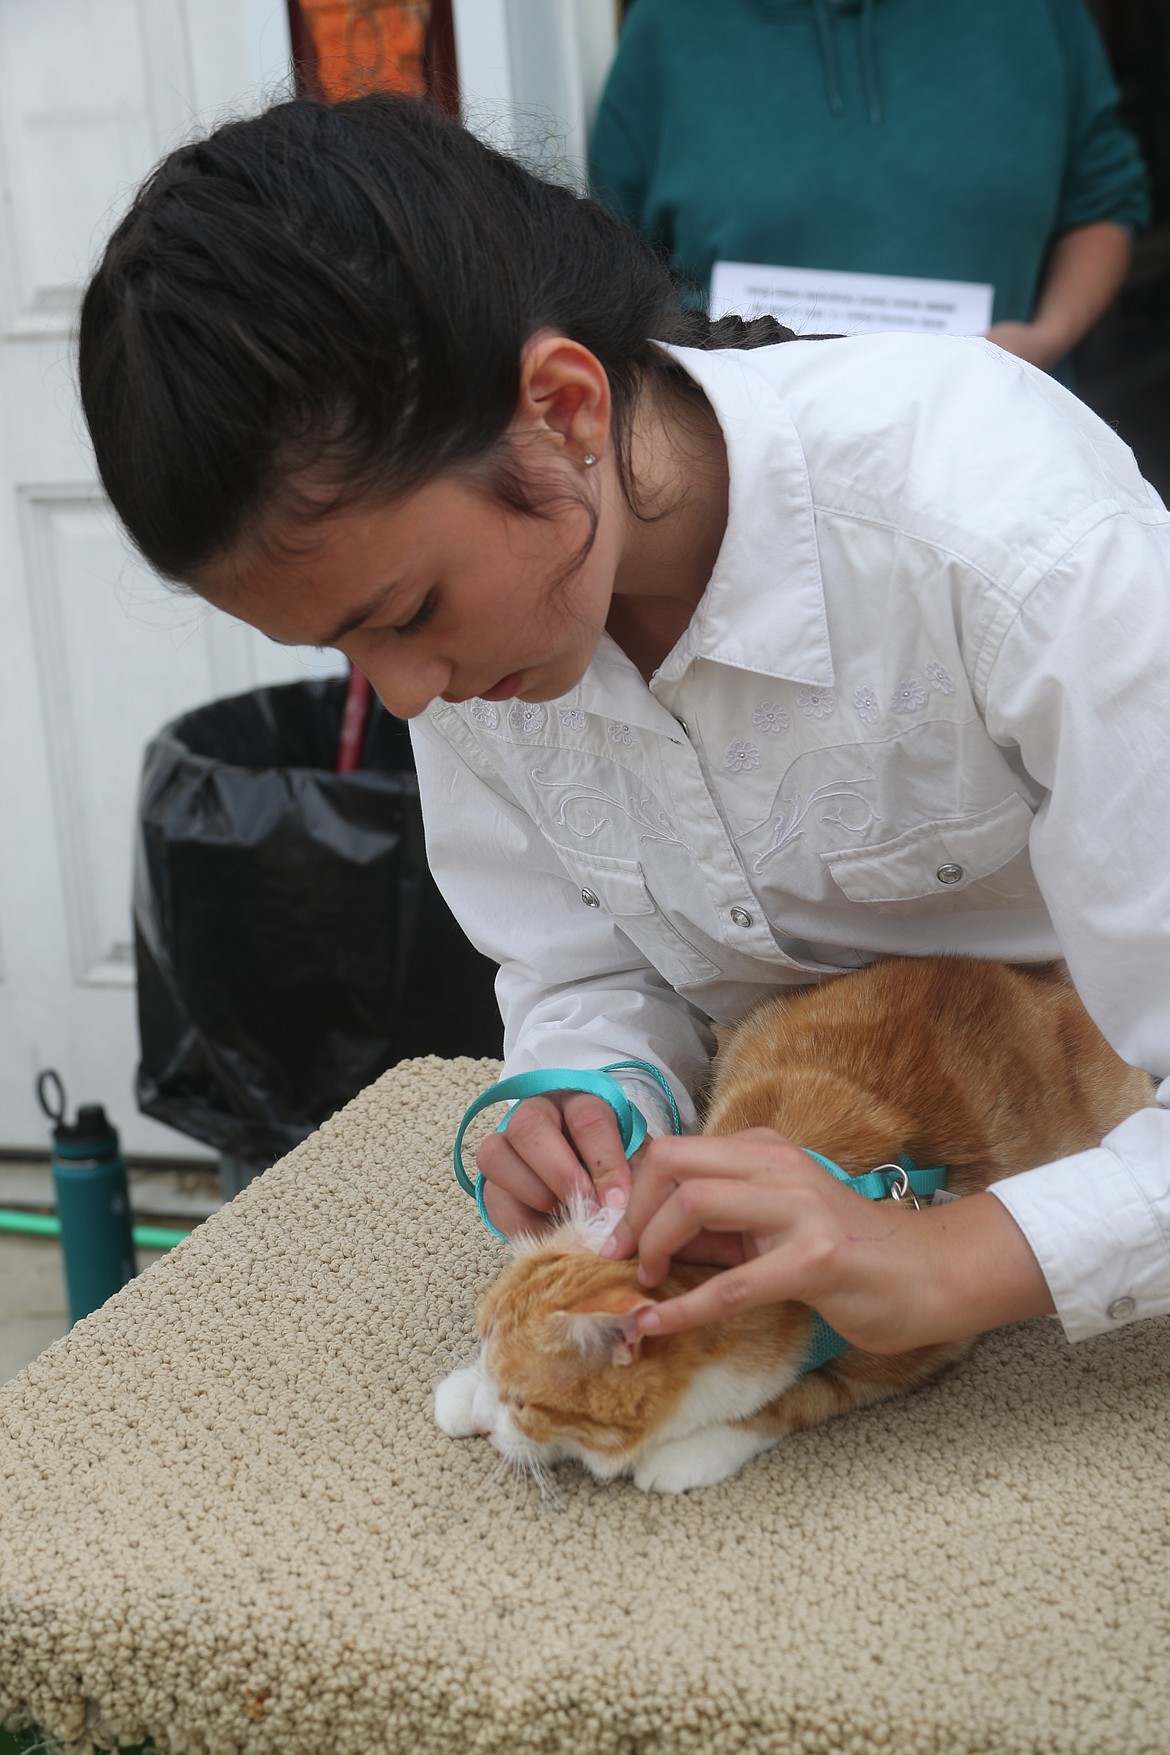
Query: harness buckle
901,1189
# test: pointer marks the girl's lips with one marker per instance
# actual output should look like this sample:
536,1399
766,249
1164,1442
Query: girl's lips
505,688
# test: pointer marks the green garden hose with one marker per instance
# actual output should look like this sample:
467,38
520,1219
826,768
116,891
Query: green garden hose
38,1225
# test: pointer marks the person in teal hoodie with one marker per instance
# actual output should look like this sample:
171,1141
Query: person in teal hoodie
915,138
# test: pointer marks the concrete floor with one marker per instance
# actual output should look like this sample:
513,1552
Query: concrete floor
33,1301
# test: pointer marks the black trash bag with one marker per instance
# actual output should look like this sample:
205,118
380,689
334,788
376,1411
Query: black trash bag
289,939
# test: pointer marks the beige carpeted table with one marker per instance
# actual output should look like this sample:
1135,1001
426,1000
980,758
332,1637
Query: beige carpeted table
230,1524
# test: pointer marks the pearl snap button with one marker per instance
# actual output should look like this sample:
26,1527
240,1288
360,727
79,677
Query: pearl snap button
741,917
1121,1309
949,874
589,899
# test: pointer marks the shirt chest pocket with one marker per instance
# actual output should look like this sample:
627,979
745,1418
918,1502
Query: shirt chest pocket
978,861
618,888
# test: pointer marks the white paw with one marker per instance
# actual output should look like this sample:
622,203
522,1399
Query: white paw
698,1461
455,1402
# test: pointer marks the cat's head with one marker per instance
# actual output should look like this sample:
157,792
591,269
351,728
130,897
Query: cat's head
564,1372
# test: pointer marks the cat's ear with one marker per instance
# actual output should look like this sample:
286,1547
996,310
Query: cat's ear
607,1337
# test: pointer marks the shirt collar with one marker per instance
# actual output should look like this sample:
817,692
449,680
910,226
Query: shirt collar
613,687
764,607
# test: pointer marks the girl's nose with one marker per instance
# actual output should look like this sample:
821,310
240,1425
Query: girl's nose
407,690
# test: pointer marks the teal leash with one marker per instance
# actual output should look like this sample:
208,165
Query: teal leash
631,1122
900,1181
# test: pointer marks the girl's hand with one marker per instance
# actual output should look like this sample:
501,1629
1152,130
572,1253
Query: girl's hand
886,1277
553,1147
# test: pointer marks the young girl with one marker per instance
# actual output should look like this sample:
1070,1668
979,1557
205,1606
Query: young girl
733,660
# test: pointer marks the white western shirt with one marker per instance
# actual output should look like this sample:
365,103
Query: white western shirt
922,707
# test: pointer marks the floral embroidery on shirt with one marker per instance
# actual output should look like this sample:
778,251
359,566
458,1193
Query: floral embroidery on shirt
618,731
571,718
816,703
741,756
938,678
770,716
866,703
527,716
908,697
788,822
485,714
643,812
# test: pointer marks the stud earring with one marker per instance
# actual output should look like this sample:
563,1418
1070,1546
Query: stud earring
589,459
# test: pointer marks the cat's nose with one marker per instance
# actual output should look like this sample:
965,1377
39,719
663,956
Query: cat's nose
483,1431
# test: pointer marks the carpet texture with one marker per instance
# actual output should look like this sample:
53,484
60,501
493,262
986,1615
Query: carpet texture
230,1524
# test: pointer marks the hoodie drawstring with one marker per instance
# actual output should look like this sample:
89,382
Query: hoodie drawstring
829,62
827,38
869,78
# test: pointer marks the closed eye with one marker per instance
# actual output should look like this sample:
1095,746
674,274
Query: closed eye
421,616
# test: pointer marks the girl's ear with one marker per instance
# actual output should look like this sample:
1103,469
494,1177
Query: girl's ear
604,1337
564,392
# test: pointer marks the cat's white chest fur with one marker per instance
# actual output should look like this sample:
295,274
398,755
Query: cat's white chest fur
702,1444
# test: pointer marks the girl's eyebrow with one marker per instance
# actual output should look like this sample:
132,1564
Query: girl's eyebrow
357,616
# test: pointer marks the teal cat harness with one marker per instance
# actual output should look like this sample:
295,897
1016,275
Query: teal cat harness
898,1182
631,1122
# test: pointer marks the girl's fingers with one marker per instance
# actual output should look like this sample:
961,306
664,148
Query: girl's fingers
592,1127
668,1164
762,1281
511,1216
715,1249
504,1169
694,1207
535,1135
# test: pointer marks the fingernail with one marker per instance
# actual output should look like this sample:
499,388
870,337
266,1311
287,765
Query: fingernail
609,1247
643,1277
616,1197
647,1320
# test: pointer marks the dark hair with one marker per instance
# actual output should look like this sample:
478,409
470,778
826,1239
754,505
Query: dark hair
346,288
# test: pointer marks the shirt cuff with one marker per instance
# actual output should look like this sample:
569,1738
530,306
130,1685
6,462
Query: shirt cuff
1099,1227
651,1100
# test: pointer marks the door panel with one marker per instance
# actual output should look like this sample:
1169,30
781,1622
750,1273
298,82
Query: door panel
95,653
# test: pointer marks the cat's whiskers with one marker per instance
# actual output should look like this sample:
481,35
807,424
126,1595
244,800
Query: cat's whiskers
543,1478
524,1466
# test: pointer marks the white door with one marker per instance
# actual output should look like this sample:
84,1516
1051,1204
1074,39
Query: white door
531,73
95,655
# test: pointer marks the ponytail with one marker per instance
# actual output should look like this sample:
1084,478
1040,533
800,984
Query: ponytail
696,329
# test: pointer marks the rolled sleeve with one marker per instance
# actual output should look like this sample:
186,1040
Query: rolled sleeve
1099,1226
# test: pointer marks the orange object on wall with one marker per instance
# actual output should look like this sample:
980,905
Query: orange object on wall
356,46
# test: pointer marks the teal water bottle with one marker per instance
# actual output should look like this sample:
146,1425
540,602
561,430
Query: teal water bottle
93,1200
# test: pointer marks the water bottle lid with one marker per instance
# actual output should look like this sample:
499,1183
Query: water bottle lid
91,1135
92,1125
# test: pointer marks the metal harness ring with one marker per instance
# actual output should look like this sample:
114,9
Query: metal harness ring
901,1189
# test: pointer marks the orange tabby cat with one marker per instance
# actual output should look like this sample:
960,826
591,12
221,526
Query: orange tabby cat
985,1068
